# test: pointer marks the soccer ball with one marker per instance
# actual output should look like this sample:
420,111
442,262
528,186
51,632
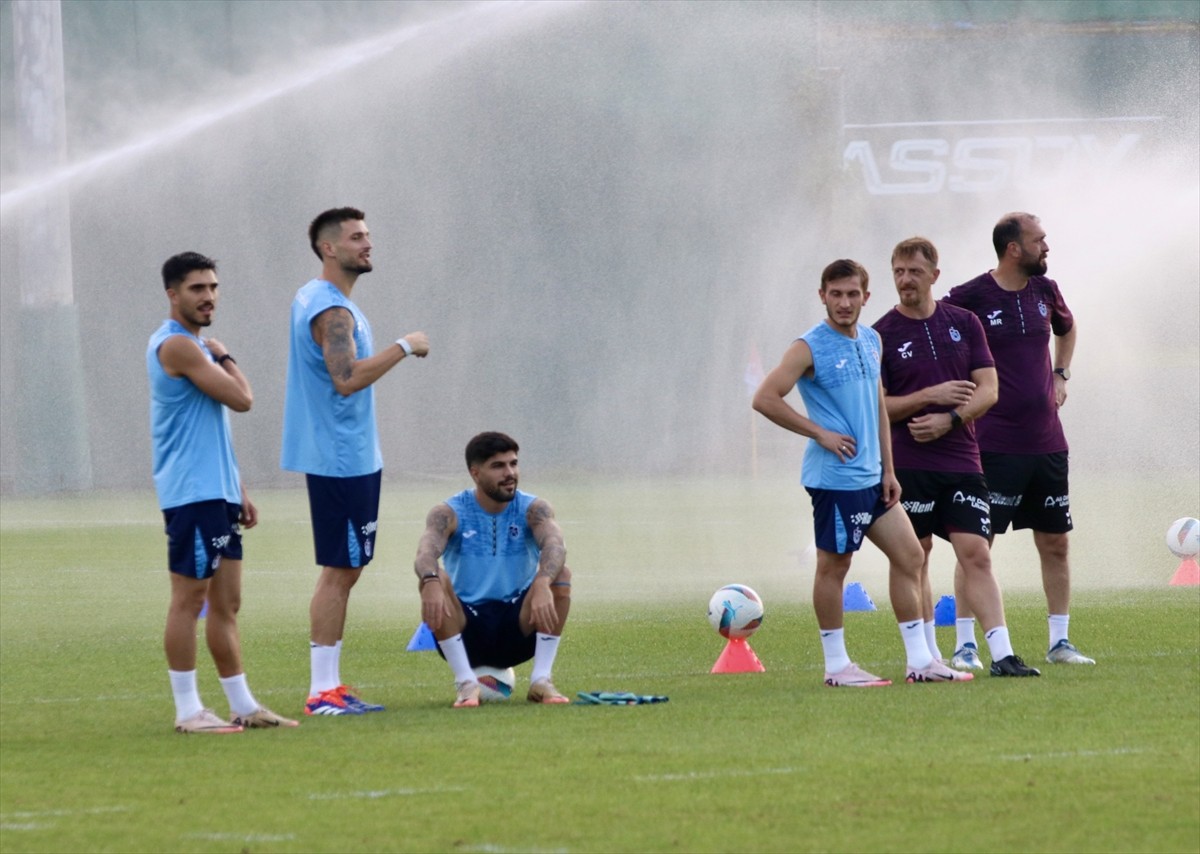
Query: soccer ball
495,684
1183,537
735,611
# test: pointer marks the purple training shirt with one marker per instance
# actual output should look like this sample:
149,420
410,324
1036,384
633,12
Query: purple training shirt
1018,325
947,345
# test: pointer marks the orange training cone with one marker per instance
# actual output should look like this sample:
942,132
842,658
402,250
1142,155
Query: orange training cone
738,657
1188,574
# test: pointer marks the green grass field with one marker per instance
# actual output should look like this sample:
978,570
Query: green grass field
1083,759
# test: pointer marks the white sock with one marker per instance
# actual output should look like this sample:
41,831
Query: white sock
187,698
241,701
1058,627
964,632
324,661
543,657
915,646
833,642
456,656
931,639
998,642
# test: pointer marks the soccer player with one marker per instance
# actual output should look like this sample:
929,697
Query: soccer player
938,379
847,469
1021,439
329,434
505,592
193,383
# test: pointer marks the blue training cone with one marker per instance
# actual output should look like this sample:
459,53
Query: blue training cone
422,640
943,612
855,598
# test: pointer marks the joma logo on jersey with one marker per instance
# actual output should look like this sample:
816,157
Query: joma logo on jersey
370,528
905,350
220,542
861,518
994,318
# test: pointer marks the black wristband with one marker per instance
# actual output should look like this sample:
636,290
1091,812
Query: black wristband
955,419
221,359
431,576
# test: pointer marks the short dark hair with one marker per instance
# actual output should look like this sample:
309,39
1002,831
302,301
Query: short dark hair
176,268
1008,230
844,268
486,445
333,216
916,246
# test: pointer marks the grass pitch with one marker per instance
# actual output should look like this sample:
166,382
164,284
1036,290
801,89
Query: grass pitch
1082,759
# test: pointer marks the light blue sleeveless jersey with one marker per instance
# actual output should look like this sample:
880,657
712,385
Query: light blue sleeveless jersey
843,395
193,446
490,557
325,433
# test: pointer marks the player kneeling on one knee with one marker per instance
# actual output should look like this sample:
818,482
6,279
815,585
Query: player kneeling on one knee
503,593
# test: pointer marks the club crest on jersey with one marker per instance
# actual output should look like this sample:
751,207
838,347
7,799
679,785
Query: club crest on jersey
955,335
1042,310
514,532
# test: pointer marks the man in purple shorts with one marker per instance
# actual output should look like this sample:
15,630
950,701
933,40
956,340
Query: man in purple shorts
194,382
848,472
1021,439
938,378
329,434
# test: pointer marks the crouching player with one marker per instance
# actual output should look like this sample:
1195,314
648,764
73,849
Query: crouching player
505,591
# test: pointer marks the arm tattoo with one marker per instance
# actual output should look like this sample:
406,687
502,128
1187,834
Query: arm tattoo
439,527
549,539
337,324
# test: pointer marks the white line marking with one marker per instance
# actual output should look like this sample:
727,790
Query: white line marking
382,793
30,826
491,848
44,813
1071,754
242,837
710,775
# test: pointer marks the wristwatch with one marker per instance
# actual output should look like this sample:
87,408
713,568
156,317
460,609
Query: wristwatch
1065,373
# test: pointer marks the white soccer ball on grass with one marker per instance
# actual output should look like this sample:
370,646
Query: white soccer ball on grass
495,685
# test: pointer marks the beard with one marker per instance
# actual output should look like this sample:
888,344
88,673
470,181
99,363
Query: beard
1034,266
501,493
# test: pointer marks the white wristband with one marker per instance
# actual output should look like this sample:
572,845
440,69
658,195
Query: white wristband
405,346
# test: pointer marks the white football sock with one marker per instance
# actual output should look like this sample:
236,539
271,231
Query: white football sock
187,697
543,657
324,661
833,642
1058,627
931,639
964,632
998,642
915,646
456,656
241,701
